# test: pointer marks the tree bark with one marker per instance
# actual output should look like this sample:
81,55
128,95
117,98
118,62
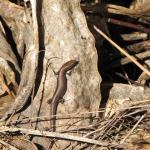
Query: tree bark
63,35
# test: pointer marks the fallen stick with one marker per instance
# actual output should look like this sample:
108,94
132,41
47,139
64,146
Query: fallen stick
5,130
128,25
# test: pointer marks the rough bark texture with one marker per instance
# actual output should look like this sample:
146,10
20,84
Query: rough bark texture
30,60
67,37
63,33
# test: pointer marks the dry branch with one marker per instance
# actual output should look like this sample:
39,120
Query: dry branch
137,47
142,12
128,25
124,11
134,36
6,130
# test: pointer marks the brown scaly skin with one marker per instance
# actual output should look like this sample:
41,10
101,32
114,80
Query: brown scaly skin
61,89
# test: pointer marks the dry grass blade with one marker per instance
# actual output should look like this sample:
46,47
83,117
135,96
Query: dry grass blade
59,116
123,140
104,127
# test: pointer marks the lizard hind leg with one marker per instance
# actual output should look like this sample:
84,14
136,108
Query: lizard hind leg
62,100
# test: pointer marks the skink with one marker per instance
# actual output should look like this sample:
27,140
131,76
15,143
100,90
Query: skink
60,90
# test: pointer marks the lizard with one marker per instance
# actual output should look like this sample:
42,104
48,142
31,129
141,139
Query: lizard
60,90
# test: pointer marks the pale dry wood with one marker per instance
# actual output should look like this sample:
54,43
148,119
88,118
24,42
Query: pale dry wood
8,145
142,12
134,36
120,10
11,14
137,47
30,64
67,36
4,130
6,51
22,144
130,12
